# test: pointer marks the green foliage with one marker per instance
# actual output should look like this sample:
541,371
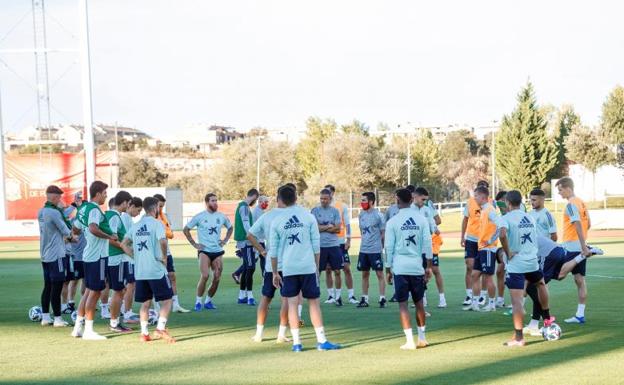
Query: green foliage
566,120
525,155
139,172
613,116
355,127
310,153
44,149
588,148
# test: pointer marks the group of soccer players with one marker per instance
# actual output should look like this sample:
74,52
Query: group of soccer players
108,251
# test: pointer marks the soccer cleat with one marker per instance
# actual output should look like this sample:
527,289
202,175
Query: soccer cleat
179,309
382,303
297,348
251,302
549,321
256,338
339,302
198,306
500,304
236,278
467,301
46,322
393,298
488,308
281,340
353,300
481,301
120,328
301,323
508,312
514,343
60,324
145,337
471,307
71,307
427,314
209,306
164,334
105,312
408,346
327,346
442,304
242,301
66,310
92,336
330,300
422,344
575,320
77,332
534,332
363,303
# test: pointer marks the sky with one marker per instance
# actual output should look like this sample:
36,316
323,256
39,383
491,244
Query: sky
162,66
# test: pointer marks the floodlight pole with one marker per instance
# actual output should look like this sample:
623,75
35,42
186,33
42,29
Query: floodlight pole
87,113
3,212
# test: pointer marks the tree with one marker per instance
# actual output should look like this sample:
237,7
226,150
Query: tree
140,172
355,127
310,151
613,121
589,149
525,155
566,119
461,166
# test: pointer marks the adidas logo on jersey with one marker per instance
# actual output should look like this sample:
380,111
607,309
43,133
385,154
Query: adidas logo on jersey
142,231
525,222
410,224
293,223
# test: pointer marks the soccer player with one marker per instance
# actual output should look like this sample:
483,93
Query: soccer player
146,242
93,223
162,217
261,207
261,230
54,232
546,225
576,223
295,240
485,261
518,235
209,249
344,236
424,207
134,209
331,261
243,221
408,239
470,240
393,210
76,266
556,263
116,256
372,228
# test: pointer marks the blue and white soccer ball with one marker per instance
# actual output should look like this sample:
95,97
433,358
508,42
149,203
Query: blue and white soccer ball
153,317
552,332
35,314
74,315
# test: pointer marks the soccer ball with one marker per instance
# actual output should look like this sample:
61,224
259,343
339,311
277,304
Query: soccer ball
74,315
552,332
153,317
35,314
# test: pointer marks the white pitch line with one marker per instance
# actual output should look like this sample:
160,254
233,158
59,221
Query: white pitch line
604,276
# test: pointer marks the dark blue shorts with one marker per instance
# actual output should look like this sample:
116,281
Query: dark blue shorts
404,285
128,272
435,261
170,266
515,281
581,268
248,255
68,268
115,277
331,256
146,289
345,255
367,261
307,284
95,275
77,270
471,249
553,262
268,290
212,256
261,258
485,262
54,271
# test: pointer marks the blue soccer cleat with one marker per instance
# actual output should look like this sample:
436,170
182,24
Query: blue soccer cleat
242,301
209,306
327,346
198,306
297,348
575,320
251,302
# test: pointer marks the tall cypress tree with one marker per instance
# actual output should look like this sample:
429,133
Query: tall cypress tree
524,153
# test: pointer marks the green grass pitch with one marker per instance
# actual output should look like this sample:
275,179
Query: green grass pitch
214,347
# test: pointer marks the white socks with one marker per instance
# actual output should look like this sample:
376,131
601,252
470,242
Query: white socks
295,336
469,293
88,326
351,293
492,302
320,335
198,299
338,293
580,310
249,294
144,330
409,336
282,331
208,299
259,330
533,324
442,298
484,293
421,333
45,317
299,308
162,323
241,294
330,292
175,300
114,322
